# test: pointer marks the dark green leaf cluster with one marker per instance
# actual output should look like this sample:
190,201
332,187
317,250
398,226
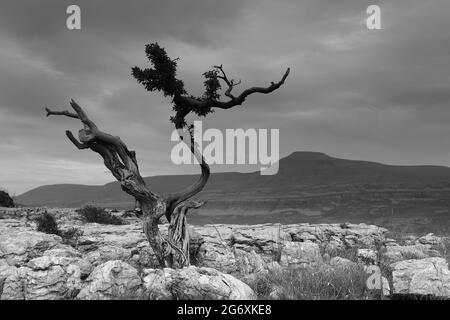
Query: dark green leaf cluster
212,85
162,77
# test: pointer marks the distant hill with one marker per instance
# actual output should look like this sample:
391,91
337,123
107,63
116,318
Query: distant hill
308,184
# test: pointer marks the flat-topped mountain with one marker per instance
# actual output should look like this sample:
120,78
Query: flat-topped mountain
308,184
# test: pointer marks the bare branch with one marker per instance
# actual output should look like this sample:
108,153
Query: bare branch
82,116
61,113
234,101
273,86
117,157
91,133
230,83
77,144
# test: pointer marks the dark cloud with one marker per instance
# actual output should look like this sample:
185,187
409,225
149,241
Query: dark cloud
186,20
376,95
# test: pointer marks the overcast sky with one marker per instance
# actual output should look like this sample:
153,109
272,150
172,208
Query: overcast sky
380,95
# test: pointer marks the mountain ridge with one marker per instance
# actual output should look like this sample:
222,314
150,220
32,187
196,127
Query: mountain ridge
302,174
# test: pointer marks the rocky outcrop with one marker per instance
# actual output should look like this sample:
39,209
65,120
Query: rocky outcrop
53,276
19,244
11,284
431,240
295,254
293,244
104,261
194,283
416,251
112,279
429,276
367,256
224,247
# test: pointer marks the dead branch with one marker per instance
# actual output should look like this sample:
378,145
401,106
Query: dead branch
116,155
230,83
234,101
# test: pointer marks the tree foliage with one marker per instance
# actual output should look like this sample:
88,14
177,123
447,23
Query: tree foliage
162,76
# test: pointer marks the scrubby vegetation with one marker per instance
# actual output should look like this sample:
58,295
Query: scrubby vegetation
71,236
46,223
314,284
6,200
98,215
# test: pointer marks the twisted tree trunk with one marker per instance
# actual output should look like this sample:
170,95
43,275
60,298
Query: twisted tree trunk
151,213
123,165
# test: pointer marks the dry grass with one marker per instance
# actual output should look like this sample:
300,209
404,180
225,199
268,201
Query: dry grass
445,250
314,284
98,215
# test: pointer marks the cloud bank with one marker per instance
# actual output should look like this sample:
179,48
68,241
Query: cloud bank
355,93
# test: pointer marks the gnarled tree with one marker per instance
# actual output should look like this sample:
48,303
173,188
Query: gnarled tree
172,251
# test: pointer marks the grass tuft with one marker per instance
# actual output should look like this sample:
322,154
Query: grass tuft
46,223
321,283
98,215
